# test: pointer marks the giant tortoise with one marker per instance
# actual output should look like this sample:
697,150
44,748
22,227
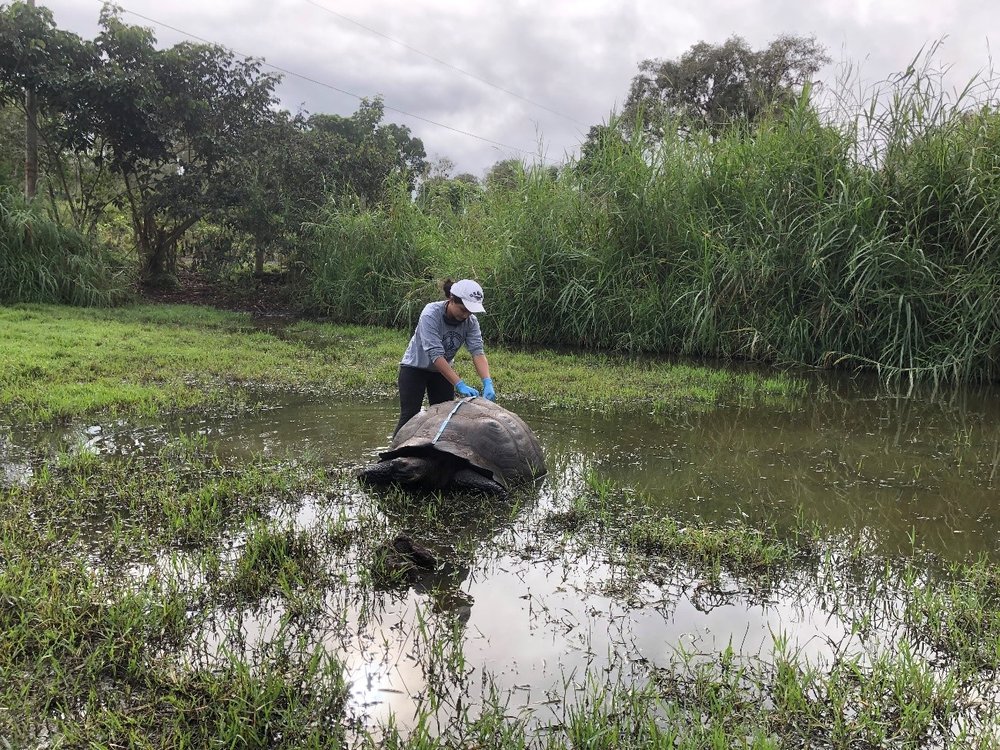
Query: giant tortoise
469,444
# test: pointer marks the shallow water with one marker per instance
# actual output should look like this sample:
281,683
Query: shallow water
923,469
896,471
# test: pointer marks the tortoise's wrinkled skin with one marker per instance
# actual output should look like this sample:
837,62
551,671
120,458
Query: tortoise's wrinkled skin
468,444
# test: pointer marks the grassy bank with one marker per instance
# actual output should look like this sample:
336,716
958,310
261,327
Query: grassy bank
61,363
128,584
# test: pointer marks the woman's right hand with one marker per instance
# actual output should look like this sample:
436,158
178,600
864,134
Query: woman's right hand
465,390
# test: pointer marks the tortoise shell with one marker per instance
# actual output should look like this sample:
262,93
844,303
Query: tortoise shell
494,440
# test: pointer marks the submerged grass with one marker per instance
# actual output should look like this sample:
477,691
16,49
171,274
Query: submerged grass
645,543
124,581
64,363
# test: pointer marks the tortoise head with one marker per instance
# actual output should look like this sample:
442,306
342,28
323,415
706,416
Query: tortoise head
404,470
415,471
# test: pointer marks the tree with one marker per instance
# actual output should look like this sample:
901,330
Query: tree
300,161
713,86
440,192
11,147
270,194
170,124
185,134
505,174
361,155
192,112
58,67
601,142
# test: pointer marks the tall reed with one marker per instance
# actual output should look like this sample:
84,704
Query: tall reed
860,234
370,265
805,239
41,261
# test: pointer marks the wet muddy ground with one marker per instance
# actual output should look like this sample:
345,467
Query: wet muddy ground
526,602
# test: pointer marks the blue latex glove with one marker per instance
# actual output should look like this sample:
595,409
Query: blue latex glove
488,391
465,390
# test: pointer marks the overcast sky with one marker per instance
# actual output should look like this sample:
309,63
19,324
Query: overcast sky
481,81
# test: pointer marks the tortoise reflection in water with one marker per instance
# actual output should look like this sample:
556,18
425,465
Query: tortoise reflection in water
471,444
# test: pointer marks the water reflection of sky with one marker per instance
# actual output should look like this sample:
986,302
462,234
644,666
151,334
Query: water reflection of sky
888,469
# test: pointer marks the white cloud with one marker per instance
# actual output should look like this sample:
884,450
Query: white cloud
575,59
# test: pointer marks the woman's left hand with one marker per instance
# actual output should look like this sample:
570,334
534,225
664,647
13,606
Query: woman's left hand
488,391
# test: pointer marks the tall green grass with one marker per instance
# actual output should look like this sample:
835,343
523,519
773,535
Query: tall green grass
41,261
870,242
370,265
859,233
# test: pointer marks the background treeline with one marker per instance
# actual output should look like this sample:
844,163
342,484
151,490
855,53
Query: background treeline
752,218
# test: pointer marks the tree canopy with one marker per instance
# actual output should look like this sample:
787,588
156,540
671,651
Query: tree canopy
170,124
174,136
712,86
361,154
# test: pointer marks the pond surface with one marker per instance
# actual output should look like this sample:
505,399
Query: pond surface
899,471
922,469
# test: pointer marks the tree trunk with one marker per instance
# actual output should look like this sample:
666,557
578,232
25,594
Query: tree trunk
157,245
30,139
158,248
159,267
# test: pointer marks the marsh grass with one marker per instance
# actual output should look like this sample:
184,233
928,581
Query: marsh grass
959,617
272,559
66,363
626,521
98,653
45,262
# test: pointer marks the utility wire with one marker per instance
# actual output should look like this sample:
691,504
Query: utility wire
443,62
496,144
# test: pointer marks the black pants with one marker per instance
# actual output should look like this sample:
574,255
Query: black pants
413,383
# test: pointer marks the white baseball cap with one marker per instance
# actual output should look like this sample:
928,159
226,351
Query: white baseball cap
470,293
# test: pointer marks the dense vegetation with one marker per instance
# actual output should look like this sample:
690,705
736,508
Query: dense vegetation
872,244
758,222
43,261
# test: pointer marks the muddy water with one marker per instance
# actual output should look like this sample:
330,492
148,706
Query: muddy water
896,470
922,468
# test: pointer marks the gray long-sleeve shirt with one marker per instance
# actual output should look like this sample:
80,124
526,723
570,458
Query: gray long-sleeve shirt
435,337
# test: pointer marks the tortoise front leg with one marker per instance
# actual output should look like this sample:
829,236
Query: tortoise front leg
469,479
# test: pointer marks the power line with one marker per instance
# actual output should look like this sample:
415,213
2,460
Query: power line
444,62
264,62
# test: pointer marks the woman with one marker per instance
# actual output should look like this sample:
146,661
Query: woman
427,366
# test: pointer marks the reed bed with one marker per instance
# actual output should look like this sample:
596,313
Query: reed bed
777,243
42,261
862,235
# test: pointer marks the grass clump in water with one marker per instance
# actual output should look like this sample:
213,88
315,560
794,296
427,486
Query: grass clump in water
620,518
